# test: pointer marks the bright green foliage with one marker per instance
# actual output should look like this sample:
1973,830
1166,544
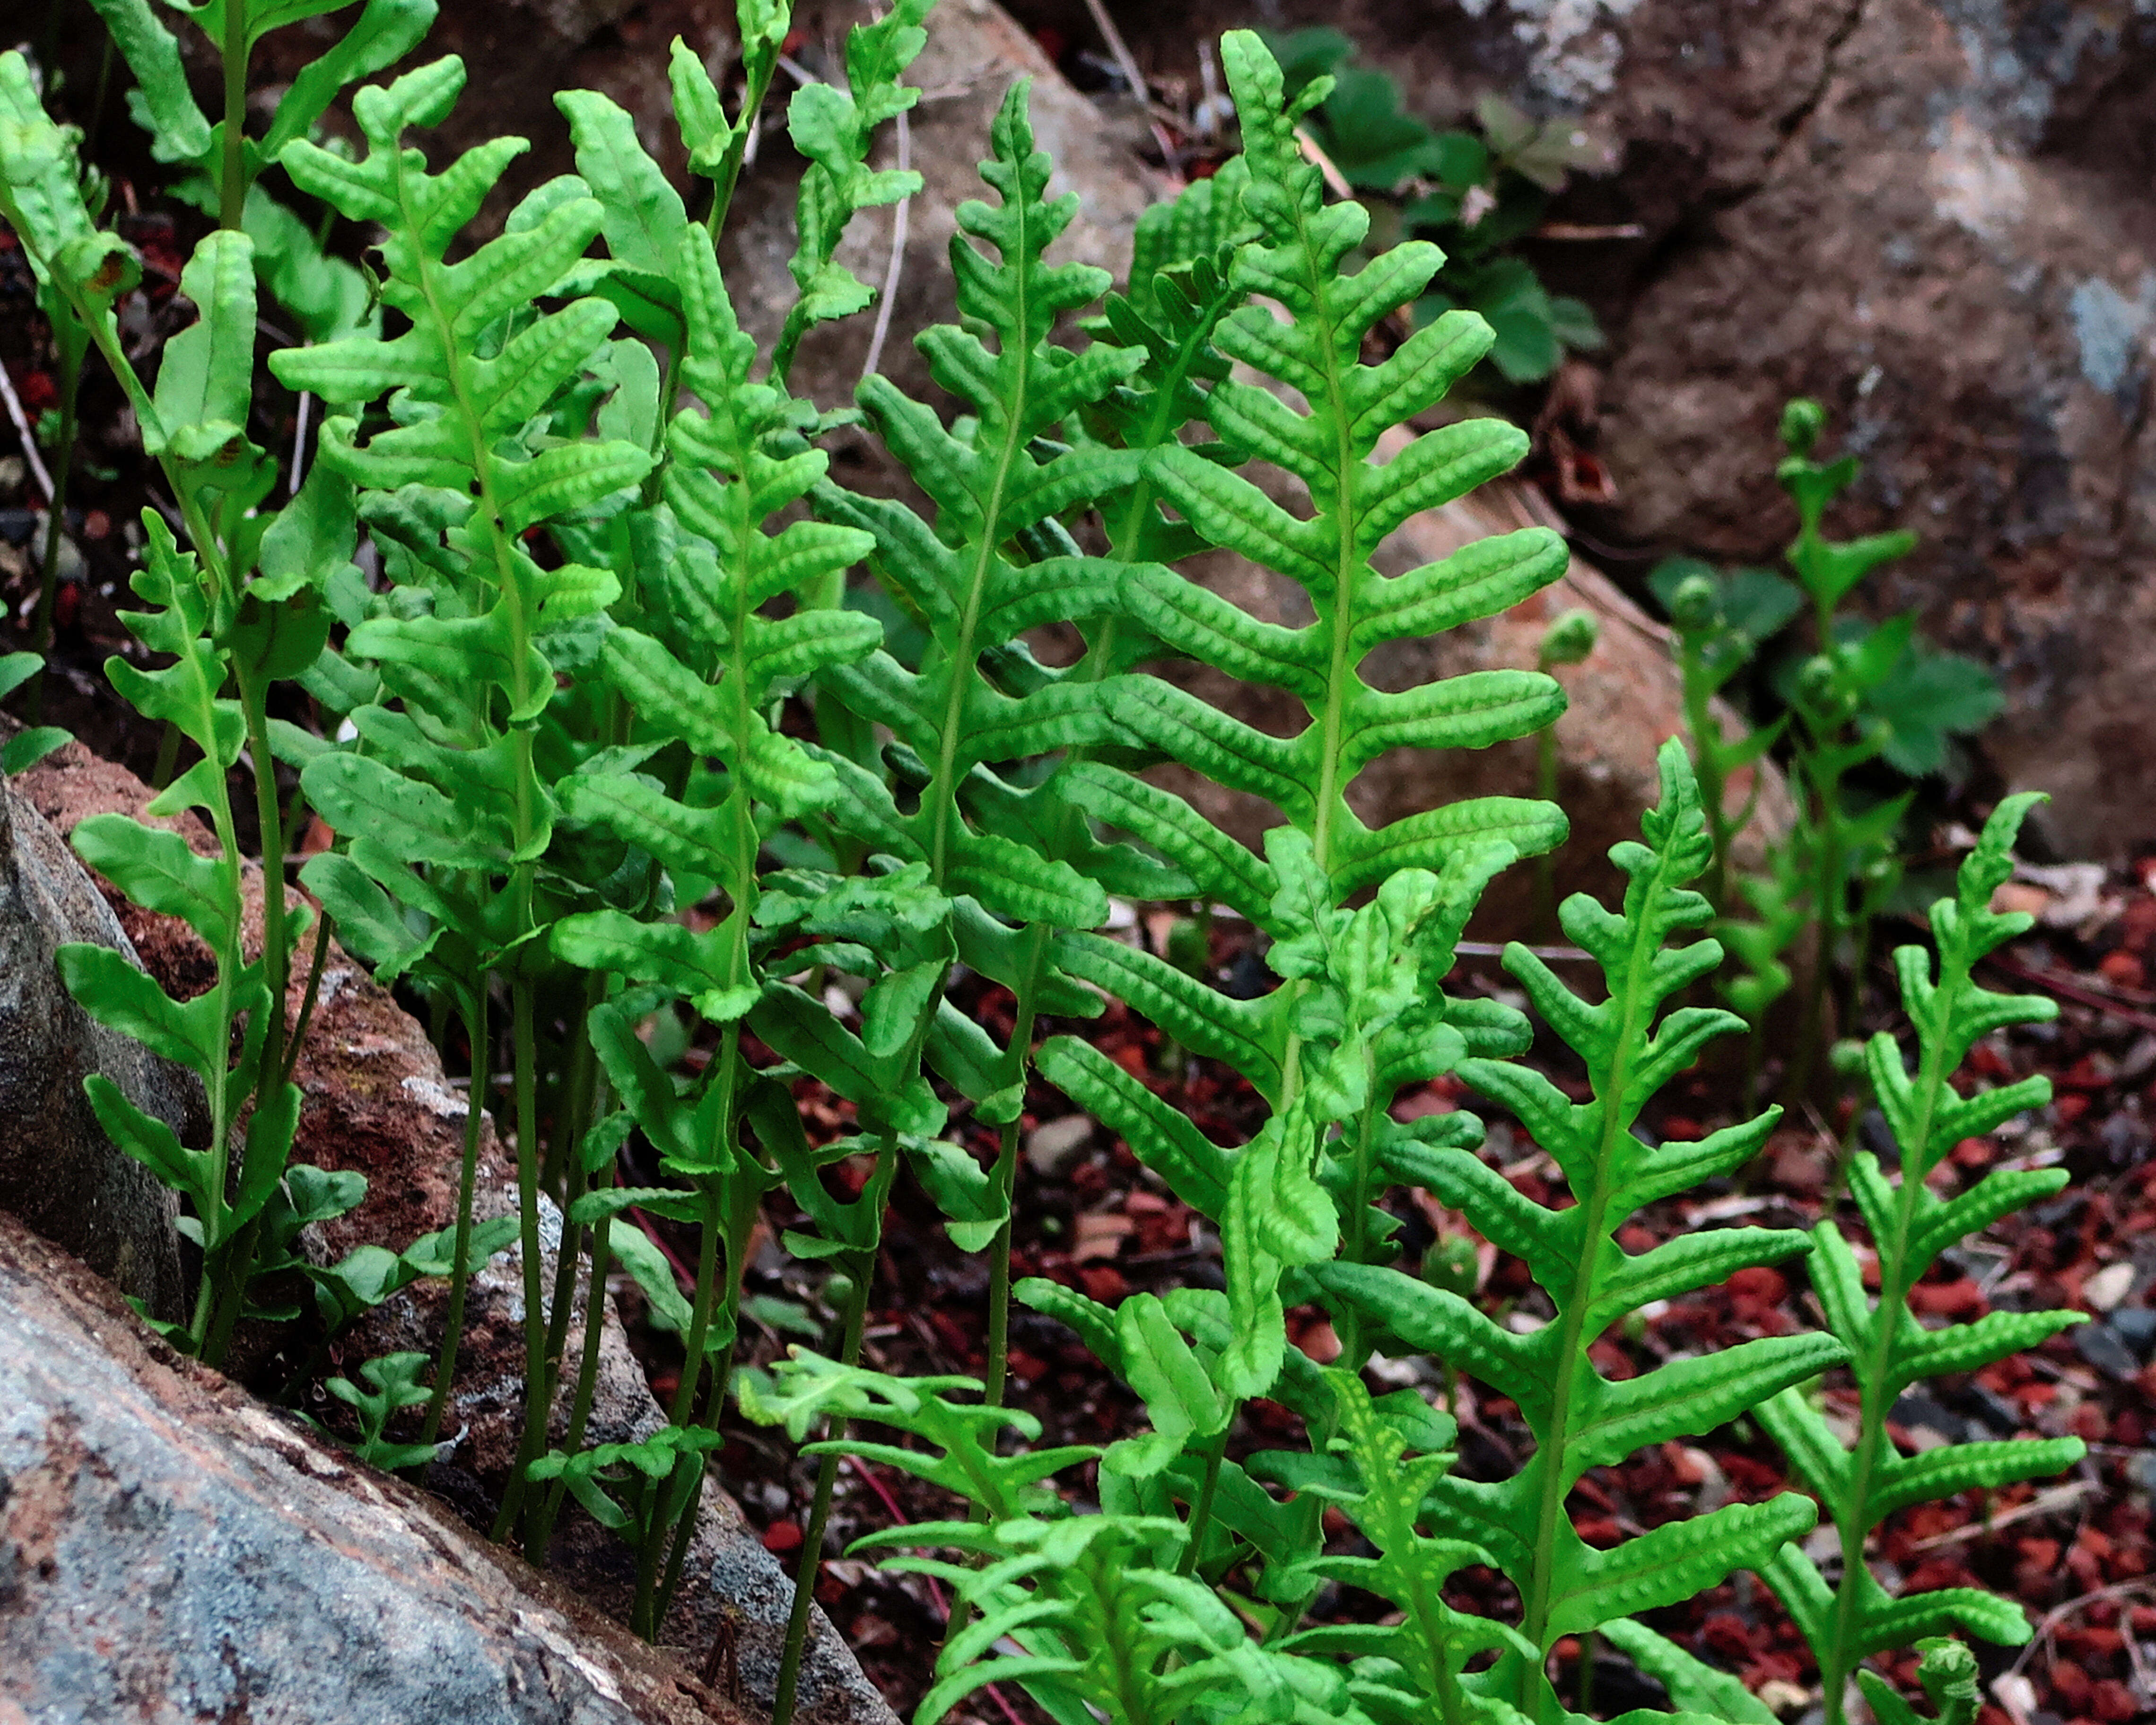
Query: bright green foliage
239,608
1948,1671
1425,1653
615,676
393,1385
326,295
587,1473
1104,1619
833,130
950,716
1869,698
368,1274
979,699
81,271
1579,1418
25,748
1181,284
449,782
465,467
1361,1013
228,1182
54,180
1109,1634
1720,623
725,569
1910,1225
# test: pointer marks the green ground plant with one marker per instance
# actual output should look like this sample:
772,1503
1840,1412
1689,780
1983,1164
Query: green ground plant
1871,709
620,765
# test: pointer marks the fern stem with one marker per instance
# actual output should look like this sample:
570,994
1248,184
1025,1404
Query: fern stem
1201,1511
310,997
276,958
1430,1611
1570,1350
587,1366
234,1273
1355,1249
759,69
567,1253
715,1404
452,1322
574,1094
708,1284
827,1472
662,1498
225,1102
536,1408
1546,926
1895,1279
1005,1176
41,631
741,1222
1830,909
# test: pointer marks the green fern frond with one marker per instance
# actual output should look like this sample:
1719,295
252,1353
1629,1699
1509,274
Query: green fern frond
1426,1651
1910,1225
833,129
1355,505
1103,1619
725,485
1581,1419
468,657
987,489
1360,1013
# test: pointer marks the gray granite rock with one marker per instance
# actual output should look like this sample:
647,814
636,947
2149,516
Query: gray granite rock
171,1551
59,1172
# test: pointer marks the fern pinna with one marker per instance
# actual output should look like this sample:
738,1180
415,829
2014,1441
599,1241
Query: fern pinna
1308,1047
1581,1419
1860,1485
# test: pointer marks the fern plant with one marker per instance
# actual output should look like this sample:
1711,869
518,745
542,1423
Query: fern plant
1579,1418
1299,1046
727,569
614,673
227,160
71,346
239,606
450,783
1719,625
1108,1622
1859,1484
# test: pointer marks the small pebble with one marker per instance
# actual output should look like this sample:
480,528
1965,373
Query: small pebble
1053,1146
